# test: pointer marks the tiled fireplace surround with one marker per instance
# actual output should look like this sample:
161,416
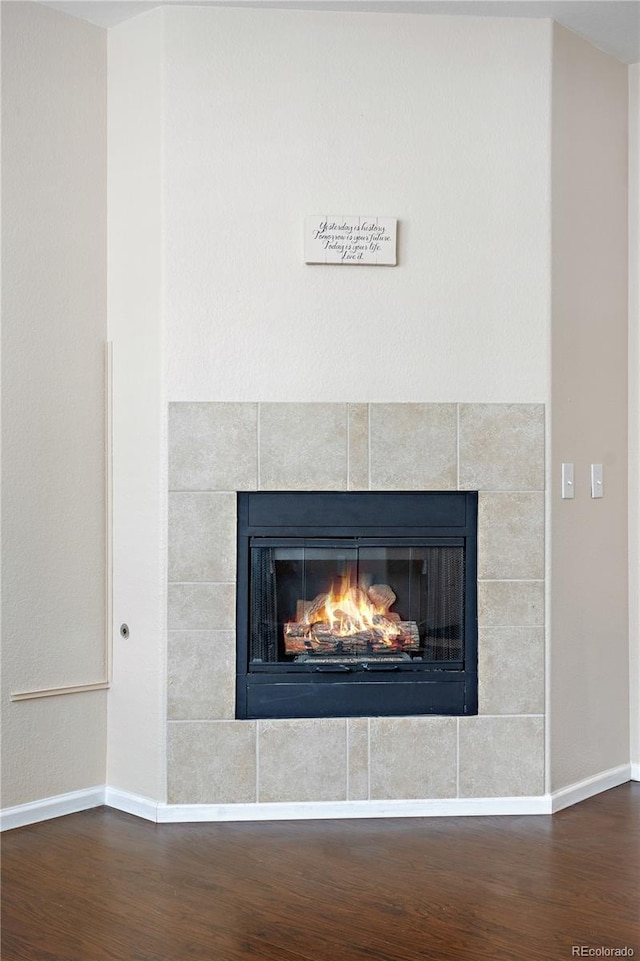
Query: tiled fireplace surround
216,449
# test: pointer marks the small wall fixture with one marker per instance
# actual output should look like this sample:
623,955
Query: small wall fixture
597,486
568,490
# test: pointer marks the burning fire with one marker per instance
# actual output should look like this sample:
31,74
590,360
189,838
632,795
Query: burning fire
350,610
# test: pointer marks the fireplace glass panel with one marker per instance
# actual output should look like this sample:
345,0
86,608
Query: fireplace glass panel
350,603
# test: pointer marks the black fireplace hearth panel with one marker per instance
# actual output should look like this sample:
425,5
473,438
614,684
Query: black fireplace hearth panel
325,696
356,604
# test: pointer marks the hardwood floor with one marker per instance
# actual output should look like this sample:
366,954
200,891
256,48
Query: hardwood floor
104,886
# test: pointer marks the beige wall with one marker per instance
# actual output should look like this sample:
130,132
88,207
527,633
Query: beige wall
54,301
634,409
589,601
136,701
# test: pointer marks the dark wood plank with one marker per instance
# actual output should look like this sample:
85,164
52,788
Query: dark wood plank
104,886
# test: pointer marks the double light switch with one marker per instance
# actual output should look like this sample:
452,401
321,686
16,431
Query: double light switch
568,486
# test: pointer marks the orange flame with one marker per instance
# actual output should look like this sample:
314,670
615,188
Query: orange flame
349,610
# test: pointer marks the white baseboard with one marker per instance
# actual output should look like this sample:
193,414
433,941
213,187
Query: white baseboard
582,790
51,807
142,807
322,810
159,812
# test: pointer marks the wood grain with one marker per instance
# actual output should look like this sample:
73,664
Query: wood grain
104,886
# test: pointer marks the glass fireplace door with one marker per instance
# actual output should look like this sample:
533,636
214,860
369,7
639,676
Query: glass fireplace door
354,601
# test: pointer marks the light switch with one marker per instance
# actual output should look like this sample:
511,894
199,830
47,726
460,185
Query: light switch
597,486
567,481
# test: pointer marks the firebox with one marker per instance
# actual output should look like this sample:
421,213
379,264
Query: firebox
356,604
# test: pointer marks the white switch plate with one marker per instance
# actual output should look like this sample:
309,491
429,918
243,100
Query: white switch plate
597,485
567,481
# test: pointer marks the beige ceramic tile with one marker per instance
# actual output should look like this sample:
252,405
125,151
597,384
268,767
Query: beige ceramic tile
511,536
211,762
201,675
201,607
510,603
511,670
303,447
302,760
202,536
501,756
501,447
358,447
413,757
358,744
413,446
213,446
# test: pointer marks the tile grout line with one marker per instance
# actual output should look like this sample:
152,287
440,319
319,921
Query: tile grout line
200,490
201,720
458,446
457,757
205,583
258,477
483,580
482,490
511,580
509,627
508,715
346,732
348,447
509,490
225,720
368,446
257,762
368,759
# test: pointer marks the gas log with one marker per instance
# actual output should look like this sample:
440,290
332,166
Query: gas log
319,639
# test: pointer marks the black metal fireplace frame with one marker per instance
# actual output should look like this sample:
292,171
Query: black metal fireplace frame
411,518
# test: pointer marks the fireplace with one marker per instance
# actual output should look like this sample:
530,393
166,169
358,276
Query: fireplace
218,755
356,604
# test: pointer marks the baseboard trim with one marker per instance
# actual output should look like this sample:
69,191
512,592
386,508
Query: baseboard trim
51,807
142,807
582,790
161,813
323,810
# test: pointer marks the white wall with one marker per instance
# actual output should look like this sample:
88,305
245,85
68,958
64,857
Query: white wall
442,122
135,202
226,127
589,598
54,304
634,409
